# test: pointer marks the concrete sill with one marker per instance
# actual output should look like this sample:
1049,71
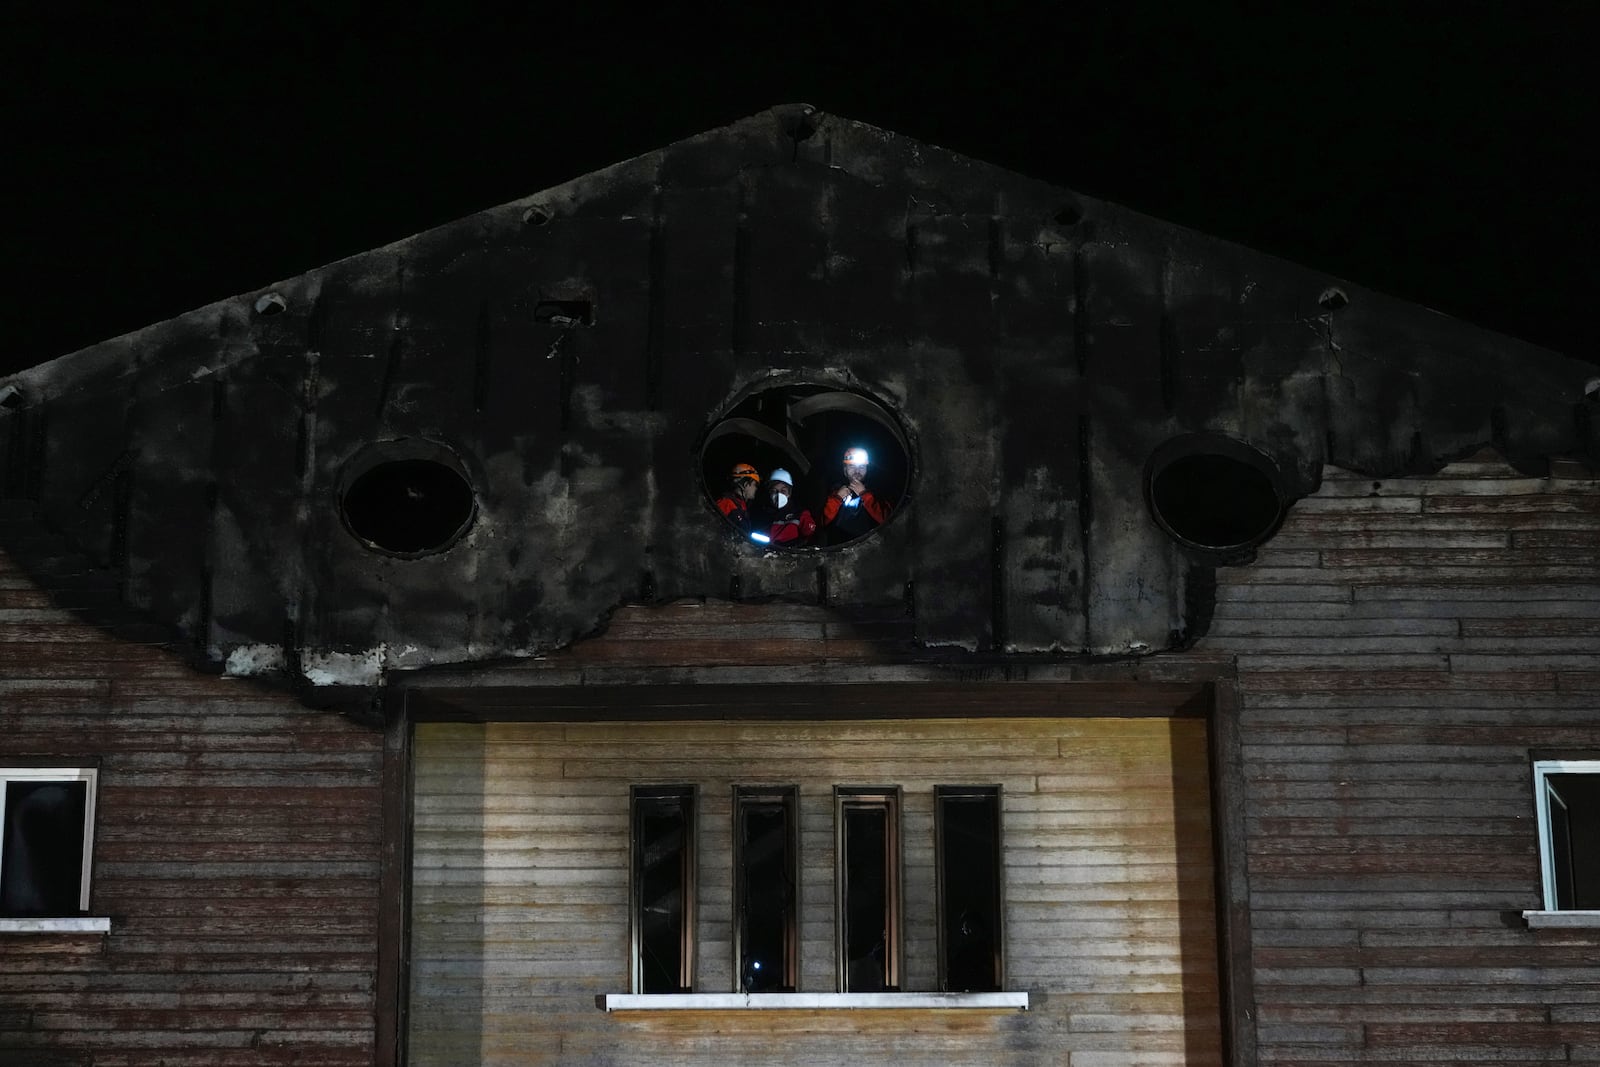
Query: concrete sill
1569,920
810,1001
83,924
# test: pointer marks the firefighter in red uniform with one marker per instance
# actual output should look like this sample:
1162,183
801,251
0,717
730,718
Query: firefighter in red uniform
735,503
787,524
851,508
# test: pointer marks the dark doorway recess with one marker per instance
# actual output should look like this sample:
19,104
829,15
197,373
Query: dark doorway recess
805,429
1214,494
408,499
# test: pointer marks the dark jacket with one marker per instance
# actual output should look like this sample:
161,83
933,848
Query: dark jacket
861,515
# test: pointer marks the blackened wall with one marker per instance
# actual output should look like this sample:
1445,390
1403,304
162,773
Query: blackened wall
1035,346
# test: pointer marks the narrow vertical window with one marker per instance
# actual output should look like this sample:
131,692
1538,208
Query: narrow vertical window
867,822
46,841
967,828
663,889
766,890
1568,793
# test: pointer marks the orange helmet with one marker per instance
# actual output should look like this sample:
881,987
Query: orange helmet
742,471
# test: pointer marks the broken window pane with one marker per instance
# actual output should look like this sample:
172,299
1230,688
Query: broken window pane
970,927
663,881
765,845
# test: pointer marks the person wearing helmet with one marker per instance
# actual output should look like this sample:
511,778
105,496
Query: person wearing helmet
851,508
787,523
735,503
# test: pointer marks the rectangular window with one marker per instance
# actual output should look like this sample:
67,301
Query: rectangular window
663,888
1568,796
867,865
766,889
967,843
46,840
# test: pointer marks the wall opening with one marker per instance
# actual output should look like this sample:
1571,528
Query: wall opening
1214,494
408,499
796,440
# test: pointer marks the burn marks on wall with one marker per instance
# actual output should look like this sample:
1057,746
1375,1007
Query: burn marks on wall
545,400
1216,496
407,498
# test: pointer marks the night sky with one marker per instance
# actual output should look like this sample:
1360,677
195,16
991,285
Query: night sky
1429,150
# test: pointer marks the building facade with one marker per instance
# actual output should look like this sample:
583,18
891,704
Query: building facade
1214,683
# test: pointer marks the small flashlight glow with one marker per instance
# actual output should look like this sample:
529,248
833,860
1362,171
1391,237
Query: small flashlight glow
760,538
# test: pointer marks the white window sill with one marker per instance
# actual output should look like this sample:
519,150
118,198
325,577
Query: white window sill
1562,919
809,1001
85,924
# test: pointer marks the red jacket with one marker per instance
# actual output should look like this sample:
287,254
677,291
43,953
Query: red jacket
792,529
735,511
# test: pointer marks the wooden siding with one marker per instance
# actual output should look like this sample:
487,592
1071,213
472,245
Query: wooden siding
1404,649
236,852
520,889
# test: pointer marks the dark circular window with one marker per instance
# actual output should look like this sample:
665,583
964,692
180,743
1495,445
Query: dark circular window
1214,493
408,498
772,462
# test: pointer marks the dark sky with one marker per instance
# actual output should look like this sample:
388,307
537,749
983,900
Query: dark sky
1430,150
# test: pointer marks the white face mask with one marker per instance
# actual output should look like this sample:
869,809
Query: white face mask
780,499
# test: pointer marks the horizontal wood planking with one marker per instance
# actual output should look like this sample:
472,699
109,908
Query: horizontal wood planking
1390,828
521,882
237,837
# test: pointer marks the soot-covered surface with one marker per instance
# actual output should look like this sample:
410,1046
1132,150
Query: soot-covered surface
566,356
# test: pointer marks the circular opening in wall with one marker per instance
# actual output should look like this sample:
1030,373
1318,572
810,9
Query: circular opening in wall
806,466
408,499
1214,493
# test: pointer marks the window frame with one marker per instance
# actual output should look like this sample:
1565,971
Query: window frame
788,797
887,798
688,932
1542,769
87,774
942,794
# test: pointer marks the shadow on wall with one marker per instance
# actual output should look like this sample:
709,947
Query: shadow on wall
450,933
1199,961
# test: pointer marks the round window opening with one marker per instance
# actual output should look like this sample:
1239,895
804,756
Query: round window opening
806,466
1215,494
411,500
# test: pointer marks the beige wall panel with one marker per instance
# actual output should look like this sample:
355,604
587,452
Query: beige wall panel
521,867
